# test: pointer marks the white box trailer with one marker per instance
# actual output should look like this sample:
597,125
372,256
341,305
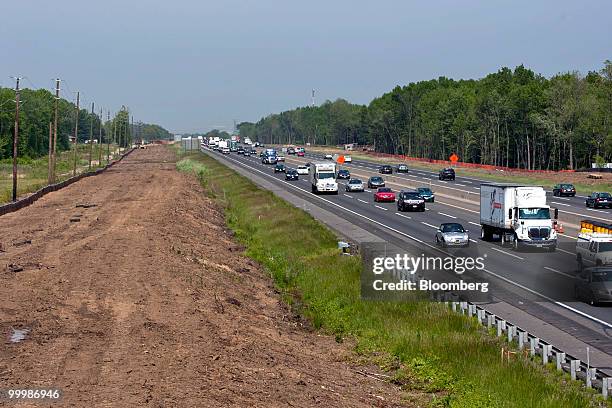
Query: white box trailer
517,213
323,178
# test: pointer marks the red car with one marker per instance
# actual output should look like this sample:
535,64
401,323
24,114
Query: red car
300,153
384,194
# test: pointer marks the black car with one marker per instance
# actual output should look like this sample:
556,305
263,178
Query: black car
594,285
385,169
376,182
402,168
279,168
564,190
240,150
253,152
410,200
596,200
446,174
426,194
291,174
344,174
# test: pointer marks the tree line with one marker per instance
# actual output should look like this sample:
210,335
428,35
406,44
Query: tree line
514,118
37,113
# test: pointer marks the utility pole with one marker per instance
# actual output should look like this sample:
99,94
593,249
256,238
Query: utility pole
115,133
76,134
15,139
54,150
100,141
107,138
91,134
50,161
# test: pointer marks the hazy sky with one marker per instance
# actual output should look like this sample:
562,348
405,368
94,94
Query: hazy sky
196,64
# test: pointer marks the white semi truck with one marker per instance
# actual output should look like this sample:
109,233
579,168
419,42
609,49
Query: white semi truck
323,178
517,214
224,146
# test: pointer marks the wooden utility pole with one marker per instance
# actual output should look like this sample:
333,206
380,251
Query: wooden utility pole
54,150
100,141
91,135
107,138
115,133
50,161
15,139
76,135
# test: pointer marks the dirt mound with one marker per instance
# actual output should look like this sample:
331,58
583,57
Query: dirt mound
126,289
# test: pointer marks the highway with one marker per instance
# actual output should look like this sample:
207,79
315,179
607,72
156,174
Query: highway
541,284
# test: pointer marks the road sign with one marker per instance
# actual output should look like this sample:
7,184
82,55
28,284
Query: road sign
340,159
454,158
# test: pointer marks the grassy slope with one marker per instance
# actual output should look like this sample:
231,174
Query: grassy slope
32,173
436,354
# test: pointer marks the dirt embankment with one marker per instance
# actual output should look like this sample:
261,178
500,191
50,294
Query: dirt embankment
144,299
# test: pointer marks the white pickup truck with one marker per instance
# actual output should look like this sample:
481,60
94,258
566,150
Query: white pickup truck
323,178
594,244
517,214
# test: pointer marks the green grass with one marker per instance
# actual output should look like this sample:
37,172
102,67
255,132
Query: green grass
32,173
440,358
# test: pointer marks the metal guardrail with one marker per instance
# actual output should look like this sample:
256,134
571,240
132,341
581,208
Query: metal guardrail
29,200
535,347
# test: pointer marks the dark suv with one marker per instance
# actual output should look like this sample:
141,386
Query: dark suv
385,169
599,200
376,182
446,174
564,190
410,200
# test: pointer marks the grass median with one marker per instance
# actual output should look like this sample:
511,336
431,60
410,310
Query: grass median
440,358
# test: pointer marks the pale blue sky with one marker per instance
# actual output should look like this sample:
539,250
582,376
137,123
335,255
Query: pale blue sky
195,64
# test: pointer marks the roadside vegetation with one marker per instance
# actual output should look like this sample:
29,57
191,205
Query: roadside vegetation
440,358
32,174
514,118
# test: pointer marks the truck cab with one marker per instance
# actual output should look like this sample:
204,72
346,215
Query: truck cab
594,244
323,178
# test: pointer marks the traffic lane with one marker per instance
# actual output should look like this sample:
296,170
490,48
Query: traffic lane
537,280
470,186
426,224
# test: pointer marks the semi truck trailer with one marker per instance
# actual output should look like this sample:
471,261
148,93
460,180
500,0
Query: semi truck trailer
518,214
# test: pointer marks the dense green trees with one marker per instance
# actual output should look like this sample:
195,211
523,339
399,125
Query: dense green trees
513,118
36,113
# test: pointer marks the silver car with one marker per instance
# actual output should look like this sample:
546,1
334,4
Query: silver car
594,285
355,185
452,234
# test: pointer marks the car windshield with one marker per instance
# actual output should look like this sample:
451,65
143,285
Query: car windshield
451,228
355,181
302,167
602,275
376,179
534,213
343,172
411,195
292,172
384,190
424,190
567,186
326,175
604,195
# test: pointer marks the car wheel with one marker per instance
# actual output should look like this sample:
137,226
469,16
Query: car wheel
552,248
515,243
592,299
580,263
503,239
577,293
422,209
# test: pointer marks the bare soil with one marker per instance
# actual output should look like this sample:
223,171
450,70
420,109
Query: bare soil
145,299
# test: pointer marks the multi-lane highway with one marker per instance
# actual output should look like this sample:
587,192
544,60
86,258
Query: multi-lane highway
540,284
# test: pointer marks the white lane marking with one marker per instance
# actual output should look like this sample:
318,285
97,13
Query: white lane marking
346,195
420,241
367,191
446,215
566,252
473,240
427,209
429,225
562,198
363,201
402,215
382,208
554,202
559,272
567,236
473,223
442,181
599,211
477,188
459,184
467,181
507,253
